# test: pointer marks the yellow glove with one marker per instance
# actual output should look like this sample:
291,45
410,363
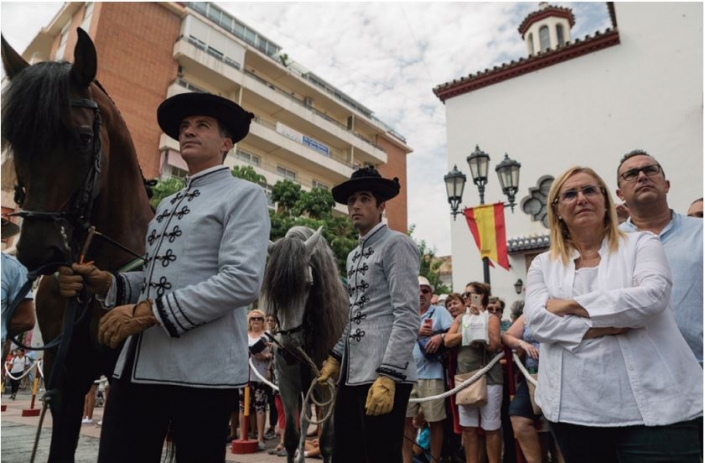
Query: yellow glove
380,397
331,369
71,280
124,321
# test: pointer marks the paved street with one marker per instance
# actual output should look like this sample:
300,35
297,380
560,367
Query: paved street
18,435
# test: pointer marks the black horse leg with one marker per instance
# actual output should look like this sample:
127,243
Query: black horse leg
66,412
290,392
80,369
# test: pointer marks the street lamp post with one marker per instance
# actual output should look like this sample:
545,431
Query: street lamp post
478,161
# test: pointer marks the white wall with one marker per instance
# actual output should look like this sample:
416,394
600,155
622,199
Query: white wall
646,92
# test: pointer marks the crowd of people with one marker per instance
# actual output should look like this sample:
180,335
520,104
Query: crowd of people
613,315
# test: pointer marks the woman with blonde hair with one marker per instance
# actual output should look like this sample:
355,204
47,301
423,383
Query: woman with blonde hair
261,357
617,380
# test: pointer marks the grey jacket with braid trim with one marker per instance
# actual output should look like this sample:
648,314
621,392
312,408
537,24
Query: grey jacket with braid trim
384,318
206,250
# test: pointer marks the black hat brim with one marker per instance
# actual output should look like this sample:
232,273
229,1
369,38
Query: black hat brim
229,114
383,189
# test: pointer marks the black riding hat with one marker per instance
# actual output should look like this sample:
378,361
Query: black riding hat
228,113
366,179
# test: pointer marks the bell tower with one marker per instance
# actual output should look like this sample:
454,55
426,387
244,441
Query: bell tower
547,29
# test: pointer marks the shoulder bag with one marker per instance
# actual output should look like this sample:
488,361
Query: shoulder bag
474,395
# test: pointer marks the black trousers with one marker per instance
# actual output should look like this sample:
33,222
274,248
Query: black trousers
674,443
138,416
15,384
368,439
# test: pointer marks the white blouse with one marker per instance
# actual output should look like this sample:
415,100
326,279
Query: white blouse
648,375
261,365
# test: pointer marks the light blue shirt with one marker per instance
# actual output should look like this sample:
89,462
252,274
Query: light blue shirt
442,319
682,239
14,275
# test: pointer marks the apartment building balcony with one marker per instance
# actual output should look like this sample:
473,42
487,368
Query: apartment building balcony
209,65
273,175
366,150
265,137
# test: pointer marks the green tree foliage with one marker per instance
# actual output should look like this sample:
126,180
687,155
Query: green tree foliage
429,267
286,194
164,188
316,204
248,173
312,209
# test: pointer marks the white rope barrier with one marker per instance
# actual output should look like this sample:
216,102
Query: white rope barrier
455,390
262,378
523,369
25,373
464,384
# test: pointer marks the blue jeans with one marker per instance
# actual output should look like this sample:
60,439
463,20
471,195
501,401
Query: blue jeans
674,443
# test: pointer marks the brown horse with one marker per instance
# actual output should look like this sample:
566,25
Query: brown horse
76,167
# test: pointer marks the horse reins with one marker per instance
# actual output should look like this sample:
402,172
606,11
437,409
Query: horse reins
79,212
78,215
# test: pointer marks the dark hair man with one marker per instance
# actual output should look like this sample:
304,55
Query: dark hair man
643,186
696,209
374,355
185,353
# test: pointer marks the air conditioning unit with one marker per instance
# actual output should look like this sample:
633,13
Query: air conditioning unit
308,102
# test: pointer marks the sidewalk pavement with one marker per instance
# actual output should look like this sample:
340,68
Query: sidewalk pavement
18,435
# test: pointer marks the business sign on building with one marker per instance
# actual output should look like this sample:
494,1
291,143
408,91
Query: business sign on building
292,134
316,145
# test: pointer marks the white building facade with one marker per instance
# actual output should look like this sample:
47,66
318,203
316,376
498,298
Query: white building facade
636,85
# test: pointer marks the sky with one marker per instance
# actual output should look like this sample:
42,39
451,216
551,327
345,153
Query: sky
389,57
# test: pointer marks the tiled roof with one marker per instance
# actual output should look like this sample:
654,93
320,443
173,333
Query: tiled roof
528,243
541,60
550,10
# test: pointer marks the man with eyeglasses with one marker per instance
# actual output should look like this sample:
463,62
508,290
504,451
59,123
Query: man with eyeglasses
496,307
642,185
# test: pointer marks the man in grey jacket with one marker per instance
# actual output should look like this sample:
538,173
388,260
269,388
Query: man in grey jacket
184,315
374,355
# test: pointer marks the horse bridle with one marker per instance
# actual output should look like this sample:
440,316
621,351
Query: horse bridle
78,213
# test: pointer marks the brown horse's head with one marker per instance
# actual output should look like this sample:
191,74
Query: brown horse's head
51,123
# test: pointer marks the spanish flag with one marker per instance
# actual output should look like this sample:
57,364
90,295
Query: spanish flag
487,227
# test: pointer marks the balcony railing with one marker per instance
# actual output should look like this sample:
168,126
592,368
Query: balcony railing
335,154
211,51
303,104
273,169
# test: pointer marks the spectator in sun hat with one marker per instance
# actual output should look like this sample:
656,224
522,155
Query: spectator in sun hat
435,321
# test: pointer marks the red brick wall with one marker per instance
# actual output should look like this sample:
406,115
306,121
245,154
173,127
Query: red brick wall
135,42
395,167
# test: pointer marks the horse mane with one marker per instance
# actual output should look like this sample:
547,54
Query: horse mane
285,290
35,108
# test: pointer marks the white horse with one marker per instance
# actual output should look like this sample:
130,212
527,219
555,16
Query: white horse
302,289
